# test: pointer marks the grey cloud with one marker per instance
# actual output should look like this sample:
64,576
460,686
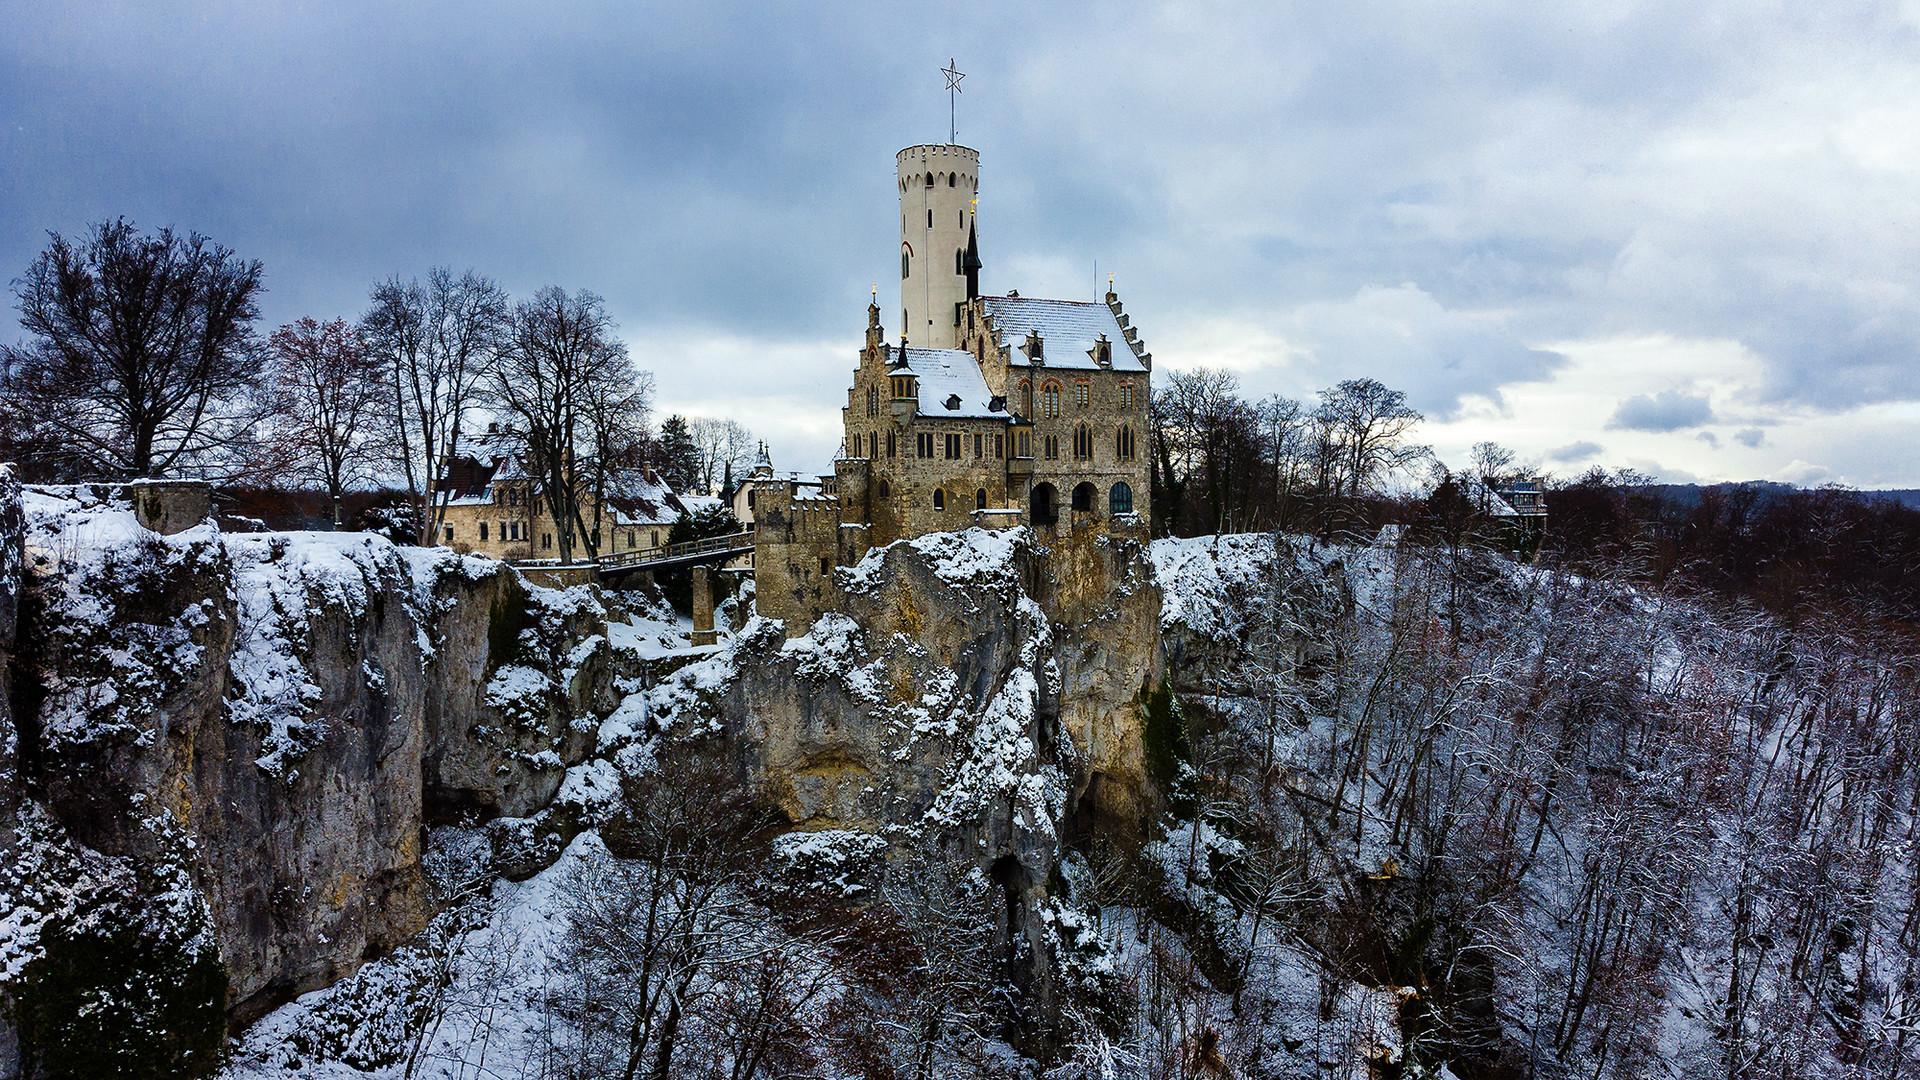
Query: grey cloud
1575,452
1751,437
1709,438
1387,178
1669,410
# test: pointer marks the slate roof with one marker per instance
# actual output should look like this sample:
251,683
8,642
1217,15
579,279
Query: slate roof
1067,328
948,373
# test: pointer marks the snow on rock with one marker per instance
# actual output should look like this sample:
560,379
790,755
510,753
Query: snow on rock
1204,580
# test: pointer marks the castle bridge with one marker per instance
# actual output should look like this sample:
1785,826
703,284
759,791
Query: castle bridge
713,549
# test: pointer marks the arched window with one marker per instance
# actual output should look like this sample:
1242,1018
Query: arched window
1123,443
890,444
939,499
1083,497
1050,400
1082,443
1120,499
959,257
903,264
1026,399
883,490
929,179
980,499
949,179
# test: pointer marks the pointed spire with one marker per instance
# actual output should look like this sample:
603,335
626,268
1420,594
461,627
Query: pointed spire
972,262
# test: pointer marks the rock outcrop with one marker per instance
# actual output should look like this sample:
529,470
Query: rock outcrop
280,714
978,691
245,737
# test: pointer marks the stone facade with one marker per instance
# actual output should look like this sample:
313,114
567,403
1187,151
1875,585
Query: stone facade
994,411
495,509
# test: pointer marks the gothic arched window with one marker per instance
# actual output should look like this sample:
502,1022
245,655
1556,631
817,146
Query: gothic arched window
980,499
1082,443
1120,499
1123,443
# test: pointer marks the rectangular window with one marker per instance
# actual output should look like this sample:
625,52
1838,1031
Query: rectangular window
449,538
483,532
1053,447
977,439
923,444
953,447
1082,394
1026,444
999,446
1126,395
546,540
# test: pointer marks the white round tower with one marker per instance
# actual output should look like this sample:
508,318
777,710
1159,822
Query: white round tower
938,183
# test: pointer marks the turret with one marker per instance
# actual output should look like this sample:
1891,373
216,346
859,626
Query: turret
939,252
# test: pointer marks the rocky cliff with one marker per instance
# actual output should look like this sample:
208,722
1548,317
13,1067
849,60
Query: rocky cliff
227,749
273,718
979,692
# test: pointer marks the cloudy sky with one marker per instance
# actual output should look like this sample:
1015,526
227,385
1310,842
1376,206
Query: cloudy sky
1683,238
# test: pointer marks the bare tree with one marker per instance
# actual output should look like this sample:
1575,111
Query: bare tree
726,450
435,340
1370,424
328,393
142,355
568,379
651,921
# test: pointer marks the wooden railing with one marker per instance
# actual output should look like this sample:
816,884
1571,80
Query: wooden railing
668,554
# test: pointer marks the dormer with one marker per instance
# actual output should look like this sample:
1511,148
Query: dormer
1035,348
952,403
1102,352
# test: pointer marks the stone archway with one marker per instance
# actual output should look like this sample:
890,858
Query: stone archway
1044,504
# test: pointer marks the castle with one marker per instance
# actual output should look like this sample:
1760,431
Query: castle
991,411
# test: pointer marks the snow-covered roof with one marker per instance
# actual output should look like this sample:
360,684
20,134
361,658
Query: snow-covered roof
951,377
644,499
1068,330
1488,500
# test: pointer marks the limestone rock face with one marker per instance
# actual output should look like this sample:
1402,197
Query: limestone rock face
280,714
978,691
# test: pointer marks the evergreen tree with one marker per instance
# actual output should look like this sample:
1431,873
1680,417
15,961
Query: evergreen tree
680,456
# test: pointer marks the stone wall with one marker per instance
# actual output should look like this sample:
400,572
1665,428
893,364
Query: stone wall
797,543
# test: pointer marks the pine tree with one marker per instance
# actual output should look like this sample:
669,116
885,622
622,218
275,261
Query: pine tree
681,466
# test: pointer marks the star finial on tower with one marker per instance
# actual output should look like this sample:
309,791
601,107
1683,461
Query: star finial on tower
954,75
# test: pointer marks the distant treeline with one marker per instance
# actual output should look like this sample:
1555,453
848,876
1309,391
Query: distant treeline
1222,463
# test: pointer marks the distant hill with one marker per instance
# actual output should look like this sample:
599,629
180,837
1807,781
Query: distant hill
1689,494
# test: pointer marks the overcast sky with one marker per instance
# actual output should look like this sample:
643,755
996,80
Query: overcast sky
1680,237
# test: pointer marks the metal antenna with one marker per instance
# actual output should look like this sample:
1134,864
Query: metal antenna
953,87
